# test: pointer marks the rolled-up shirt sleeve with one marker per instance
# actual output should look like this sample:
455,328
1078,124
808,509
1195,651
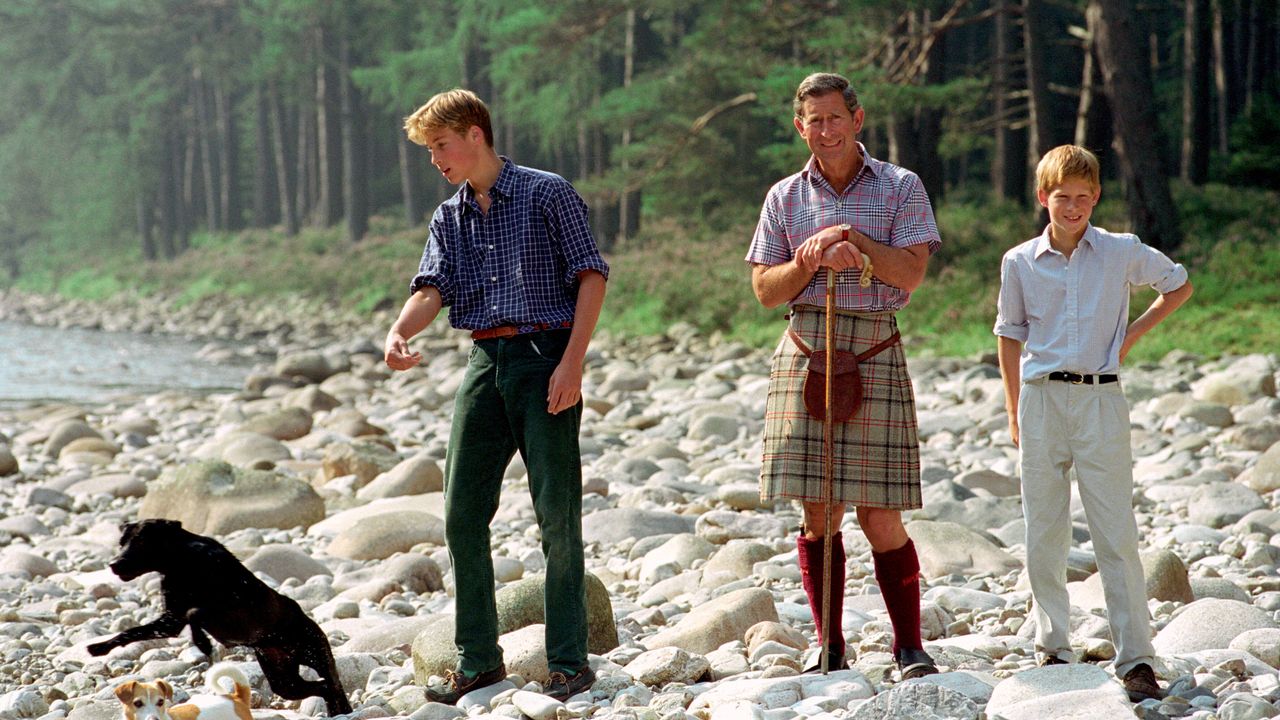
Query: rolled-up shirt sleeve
1148,266
1011,311
435,269
914,223
566,216
769,245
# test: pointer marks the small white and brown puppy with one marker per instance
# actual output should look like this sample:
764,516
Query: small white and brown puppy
151,701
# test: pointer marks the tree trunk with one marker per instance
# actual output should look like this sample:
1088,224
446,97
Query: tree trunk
142,210
230,214
410,185
1008,162
928,121
308,186
284,183
1220,83
329,204
1151,209
355,183
167,195
205,123
628,69
1093,115
1195,92
265,202
1034,35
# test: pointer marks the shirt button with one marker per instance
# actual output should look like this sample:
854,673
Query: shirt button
494,279
490,247
495,307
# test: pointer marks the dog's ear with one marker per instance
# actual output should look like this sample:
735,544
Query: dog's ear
165,688
125,691
127,531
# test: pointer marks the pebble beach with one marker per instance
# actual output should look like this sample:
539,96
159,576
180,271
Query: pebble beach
323,474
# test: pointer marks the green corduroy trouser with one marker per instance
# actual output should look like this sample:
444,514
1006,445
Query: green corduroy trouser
501,408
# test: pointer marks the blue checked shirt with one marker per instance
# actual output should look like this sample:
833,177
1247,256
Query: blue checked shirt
1073,315
885,202
518,264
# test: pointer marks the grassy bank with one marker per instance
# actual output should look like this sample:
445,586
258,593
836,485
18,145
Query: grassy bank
675,272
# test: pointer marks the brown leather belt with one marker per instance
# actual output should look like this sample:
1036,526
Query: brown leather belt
506,331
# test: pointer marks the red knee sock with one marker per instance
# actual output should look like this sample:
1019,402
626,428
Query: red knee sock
898,572
820,589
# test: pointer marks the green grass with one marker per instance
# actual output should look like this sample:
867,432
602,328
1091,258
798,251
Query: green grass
677,272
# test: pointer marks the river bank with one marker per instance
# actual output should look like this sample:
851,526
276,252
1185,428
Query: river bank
331,491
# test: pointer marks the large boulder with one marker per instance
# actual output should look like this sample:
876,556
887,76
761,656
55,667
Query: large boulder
1079,691
412,476
310,365
946,548
8,463
1247,379
721,620
1264,476
1209,624
521,604
365,460
614,525
215,498
65,432
386,534
281,562
250,450
1219,504
289,423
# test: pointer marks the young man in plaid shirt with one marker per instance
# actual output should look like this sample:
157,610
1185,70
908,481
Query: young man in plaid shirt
844,204
512,256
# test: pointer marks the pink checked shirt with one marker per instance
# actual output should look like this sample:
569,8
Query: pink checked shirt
884,202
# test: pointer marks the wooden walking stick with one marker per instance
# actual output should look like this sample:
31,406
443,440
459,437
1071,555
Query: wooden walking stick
828,469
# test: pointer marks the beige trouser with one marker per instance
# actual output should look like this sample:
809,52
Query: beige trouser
1087,426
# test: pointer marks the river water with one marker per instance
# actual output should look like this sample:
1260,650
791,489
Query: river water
40,364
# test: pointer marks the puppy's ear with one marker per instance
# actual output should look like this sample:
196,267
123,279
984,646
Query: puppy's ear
165,688
125,691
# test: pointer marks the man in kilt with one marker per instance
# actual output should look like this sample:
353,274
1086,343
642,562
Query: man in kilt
843,205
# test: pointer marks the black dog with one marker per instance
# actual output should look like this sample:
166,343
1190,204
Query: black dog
206,587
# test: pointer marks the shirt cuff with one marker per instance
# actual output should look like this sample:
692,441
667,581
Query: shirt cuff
1011,331
1174,279
432,280
597,263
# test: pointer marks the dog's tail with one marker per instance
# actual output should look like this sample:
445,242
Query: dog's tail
226,678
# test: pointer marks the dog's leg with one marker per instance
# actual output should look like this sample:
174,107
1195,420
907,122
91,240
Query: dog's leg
281,668
198,636
165,626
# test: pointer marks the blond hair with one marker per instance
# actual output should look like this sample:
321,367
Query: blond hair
1065,162
456,109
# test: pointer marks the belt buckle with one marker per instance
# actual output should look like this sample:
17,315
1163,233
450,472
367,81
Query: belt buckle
1076,379
507,331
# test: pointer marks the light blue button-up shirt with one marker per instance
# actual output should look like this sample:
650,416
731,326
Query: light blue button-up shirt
1072,315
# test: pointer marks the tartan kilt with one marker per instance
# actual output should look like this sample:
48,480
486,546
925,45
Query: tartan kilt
877,452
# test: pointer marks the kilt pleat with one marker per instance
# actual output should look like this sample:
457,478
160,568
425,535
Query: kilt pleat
877,452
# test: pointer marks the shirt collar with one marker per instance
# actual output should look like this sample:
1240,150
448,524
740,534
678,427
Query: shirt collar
503,187
1042,244
869,165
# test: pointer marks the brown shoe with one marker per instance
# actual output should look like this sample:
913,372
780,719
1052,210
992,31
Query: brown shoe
562,686
1140,683
457,683
1053,660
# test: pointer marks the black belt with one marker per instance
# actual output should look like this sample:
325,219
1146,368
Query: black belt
1078,379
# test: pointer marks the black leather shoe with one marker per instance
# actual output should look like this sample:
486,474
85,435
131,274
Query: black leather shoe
456,684
1053,660
562,686
834,662
914,663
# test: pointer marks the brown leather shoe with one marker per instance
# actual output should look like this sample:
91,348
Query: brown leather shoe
1140,683
1053,660
456,684
562,686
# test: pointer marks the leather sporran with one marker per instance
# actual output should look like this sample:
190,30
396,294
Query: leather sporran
847,393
